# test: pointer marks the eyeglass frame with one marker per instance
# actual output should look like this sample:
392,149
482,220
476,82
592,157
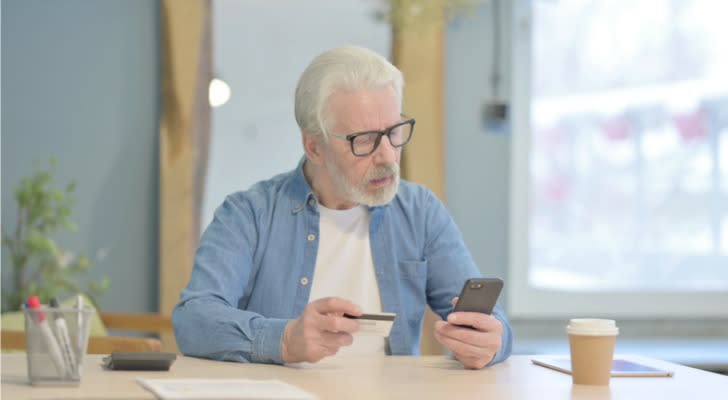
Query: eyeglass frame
386,132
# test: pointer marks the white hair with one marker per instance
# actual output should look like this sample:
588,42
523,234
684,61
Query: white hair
341,68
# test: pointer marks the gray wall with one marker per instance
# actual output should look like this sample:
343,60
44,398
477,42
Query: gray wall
80,82
477,157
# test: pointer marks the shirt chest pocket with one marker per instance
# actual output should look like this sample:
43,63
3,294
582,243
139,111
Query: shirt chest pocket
413,293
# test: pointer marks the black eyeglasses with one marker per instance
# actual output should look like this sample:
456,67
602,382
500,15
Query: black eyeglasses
365,143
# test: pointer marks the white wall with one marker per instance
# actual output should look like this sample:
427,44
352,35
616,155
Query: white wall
261,47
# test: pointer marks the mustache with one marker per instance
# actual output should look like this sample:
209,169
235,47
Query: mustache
382,171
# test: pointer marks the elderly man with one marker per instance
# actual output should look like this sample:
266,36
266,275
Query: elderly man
283,262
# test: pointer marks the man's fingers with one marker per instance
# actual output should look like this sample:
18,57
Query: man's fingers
470,356
473,348
461,348
328,315
336,340
483,340
454,343
334,305
320,331
336,324
317,353
328,345
478,321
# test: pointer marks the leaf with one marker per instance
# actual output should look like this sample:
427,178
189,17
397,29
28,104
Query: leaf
24,193
64,211
41,179
70,226
57,195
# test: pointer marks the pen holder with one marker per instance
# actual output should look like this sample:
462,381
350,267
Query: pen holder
55,343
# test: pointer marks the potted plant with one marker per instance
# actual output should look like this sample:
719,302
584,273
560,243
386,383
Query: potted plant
37,263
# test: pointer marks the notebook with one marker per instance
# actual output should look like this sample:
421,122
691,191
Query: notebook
620,367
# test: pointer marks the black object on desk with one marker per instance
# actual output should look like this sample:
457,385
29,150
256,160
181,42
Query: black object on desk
140,361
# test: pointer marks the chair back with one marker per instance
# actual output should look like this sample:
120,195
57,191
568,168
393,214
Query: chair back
115,321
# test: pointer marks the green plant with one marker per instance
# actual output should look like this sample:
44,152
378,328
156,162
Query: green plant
38,265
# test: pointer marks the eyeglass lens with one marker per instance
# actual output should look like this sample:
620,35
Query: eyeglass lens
366,143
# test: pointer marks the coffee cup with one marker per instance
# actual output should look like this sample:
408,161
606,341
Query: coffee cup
591,344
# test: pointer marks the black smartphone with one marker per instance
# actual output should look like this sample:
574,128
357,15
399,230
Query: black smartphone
479,295
140,361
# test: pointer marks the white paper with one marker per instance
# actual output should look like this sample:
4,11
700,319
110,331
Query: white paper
186,389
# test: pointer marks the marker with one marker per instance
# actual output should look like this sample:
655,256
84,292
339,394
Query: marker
33,303
80,332
63,338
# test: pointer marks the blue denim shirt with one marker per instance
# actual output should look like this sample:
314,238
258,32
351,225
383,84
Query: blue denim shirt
255,262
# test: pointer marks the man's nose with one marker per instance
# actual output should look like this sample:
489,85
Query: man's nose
385,153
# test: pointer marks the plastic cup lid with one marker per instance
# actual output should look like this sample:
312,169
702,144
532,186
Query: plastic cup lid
592,326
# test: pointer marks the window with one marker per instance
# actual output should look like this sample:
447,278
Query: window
620,158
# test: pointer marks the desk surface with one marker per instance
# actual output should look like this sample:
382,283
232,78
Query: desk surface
427,377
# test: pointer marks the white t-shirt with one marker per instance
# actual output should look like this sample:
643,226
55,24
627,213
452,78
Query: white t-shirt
344,268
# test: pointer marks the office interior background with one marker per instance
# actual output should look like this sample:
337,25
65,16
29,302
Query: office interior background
604,191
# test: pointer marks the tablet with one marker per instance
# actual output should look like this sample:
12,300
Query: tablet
620,367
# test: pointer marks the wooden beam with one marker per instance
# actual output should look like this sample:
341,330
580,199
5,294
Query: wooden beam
418,49
183,140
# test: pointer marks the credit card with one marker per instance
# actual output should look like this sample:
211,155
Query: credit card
374,324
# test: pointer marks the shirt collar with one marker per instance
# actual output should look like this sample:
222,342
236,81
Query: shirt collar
303,193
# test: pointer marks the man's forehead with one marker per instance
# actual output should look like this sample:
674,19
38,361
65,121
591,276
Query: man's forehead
368,122
365,109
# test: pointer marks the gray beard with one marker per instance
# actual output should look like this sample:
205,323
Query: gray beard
358,193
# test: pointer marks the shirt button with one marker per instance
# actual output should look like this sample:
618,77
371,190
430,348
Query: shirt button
304,281
311,202
311,237
297,207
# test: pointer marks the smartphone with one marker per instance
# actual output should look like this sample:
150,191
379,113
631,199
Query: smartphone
140,361
479,295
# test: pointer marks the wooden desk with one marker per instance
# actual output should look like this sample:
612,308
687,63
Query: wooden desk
432,377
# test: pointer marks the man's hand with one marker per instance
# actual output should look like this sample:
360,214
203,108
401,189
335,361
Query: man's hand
473,337
320,330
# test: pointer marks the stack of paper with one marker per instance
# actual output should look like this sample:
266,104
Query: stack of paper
186,389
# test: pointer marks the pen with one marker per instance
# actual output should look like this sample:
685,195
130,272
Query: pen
63,338
40,320
80,332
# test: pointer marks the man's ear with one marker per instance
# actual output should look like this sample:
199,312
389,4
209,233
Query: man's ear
313,146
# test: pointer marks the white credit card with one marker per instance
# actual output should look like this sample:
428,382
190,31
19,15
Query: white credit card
374,324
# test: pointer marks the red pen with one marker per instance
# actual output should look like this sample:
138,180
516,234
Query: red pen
41,322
